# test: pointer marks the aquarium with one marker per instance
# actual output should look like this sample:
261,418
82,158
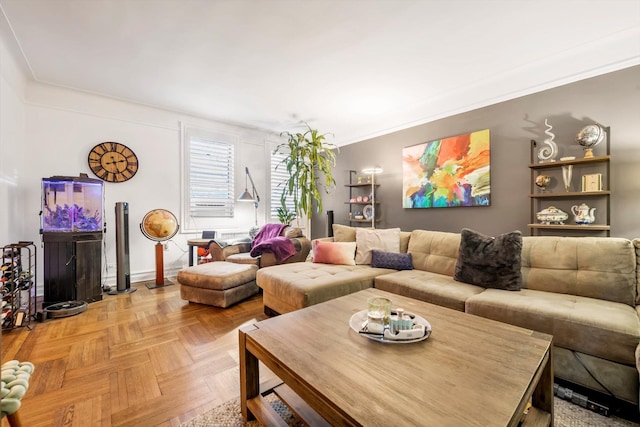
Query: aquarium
71,204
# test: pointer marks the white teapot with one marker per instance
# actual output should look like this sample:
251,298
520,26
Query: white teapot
583,215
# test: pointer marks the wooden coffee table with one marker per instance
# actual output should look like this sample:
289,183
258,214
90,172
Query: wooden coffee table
471,371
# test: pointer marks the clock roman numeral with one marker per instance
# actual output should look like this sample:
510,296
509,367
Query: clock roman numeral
101,173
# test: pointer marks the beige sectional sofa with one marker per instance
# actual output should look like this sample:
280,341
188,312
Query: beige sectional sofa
581,290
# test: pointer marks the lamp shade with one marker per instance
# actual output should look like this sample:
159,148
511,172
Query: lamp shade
246,197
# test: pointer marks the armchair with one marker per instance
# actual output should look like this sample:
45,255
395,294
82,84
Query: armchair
239,251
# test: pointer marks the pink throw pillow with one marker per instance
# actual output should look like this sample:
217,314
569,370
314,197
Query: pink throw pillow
342,253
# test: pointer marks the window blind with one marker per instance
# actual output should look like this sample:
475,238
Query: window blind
211,178
279,177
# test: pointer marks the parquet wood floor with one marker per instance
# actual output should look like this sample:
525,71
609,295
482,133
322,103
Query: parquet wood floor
146,358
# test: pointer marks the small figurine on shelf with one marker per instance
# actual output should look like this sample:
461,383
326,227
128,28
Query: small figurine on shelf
548,153
359,180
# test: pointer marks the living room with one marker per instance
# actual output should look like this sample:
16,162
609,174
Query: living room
48,130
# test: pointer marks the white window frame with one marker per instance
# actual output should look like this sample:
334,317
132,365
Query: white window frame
191,223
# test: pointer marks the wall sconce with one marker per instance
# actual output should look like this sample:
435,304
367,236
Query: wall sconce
250,197
372,171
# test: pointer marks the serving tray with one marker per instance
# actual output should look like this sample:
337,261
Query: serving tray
358,324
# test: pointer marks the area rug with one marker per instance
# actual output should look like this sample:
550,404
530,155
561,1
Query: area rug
566,415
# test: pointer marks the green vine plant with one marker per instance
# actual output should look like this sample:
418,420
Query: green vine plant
285,216
308,157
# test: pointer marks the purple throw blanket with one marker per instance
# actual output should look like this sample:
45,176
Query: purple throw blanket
268,239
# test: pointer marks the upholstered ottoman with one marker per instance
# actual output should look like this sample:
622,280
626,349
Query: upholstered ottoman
289,287
218,283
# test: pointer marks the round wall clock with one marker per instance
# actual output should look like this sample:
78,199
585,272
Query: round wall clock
113,162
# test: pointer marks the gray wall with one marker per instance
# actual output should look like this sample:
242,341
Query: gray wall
612,100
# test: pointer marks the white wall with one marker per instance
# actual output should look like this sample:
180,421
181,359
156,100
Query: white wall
12,175
63,125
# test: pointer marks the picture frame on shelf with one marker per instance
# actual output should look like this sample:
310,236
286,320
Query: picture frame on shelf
592,182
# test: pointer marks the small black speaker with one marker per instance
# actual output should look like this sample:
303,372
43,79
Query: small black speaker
329,223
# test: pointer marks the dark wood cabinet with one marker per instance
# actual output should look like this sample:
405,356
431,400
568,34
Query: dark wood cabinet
72,267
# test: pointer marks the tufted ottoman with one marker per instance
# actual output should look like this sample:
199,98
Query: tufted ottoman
218,283
289,287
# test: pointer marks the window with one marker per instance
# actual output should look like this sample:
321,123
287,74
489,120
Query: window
210,166
211,183
279,176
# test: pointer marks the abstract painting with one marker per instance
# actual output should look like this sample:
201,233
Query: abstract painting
448,172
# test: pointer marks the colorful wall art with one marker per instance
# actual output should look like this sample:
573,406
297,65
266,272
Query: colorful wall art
448,172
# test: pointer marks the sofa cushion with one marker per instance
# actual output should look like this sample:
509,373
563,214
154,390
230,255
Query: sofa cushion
636,244
397,261
291,232
343,233
595,267
341,253
491,262
430,287
434,251
367,240
605,329
302,284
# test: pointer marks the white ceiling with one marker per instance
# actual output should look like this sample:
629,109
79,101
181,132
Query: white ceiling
355,68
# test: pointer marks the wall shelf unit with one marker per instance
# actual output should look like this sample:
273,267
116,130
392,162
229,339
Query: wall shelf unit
360,201
565,198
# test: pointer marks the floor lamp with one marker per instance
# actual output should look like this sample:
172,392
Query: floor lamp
373,172
250,197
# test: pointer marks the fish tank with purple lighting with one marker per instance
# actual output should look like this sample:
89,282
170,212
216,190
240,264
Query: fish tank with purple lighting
72,204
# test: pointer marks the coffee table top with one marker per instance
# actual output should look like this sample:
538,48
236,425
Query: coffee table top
470,371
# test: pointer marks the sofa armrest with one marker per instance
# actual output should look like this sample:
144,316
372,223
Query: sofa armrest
221,250
302,245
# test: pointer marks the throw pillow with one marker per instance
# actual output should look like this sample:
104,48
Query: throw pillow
334,252
397,261
343,233
490,262
387,240
291,232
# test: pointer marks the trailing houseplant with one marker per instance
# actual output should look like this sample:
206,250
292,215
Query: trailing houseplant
308,158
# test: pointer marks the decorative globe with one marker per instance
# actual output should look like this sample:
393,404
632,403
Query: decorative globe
159,225
590,136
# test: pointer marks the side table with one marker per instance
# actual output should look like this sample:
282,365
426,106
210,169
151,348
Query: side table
194,244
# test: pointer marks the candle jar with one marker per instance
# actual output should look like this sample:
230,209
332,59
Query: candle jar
378,313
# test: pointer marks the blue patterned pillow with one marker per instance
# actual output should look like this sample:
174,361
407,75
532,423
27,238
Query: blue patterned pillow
381,259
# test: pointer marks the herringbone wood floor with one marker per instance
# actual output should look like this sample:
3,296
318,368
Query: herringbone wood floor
142,359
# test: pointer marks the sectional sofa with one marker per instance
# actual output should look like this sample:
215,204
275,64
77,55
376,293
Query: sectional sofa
581,290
